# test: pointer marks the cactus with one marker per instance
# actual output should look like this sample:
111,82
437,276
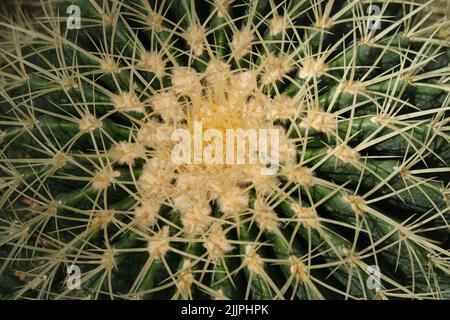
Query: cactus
357,209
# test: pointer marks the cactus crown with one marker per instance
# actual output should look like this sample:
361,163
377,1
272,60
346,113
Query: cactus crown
357,208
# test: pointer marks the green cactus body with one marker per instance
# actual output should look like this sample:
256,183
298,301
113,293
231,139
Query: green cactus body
88,178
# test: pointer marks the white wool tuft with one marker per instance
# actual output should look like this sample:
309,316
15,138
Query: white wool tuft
186,81
166,104
126,152
103,178
127,101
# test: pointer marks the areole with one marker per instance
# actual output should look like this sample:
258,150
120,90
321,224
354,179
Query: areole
263,146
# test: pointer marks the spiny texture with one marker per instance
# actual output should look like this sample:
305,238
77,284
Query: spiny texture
87,178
